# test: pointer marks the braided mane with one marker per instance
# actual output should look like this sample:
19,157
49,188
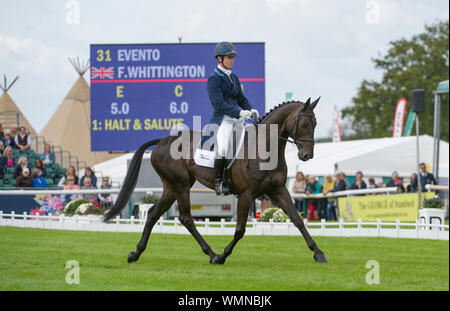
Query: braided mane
275,108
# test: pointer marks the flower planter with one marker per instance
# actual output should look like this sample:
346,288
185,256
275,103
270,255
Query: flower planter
431,216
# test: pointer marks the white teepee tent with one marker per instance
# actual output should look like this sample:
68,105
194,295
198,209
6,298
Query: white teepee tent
69,127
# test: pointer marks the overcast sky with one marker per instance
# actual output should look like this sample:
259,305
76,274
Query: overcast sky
313,48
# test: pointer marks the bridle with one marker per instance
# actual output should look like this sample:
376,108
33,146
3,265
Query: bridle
294,127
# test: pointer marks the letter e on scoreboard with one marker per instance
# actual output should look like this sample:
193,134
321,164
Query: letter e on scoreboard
119,91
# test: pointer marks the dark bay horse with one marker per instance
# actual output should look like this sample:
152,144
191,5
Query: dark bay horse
294,120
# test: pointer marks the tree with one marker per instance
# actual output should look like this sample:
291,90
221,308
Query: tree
419,63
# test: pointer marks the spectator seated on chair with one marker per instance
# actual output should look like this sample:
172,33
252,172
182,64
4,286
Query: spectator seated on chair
38,180
89,173
91,197
40,166
70,172
22,163
8,159
23,140
24,180
48,156
8,140
70,183
2,147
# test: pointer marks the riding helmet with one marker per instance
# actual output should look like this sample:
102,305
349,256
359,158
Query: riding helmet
224,48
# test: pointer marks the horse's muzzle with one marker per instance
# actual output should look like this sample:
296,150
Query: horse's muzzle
305,156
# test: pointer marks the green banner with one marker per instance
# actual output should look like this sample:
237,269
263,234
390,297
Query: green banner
409,125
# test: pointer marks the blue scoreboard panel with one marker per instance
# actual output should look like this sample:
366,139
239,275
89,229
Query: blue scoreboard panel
140,92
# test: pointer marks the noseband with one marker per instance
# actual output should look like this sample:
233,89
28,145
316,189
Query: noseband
294,127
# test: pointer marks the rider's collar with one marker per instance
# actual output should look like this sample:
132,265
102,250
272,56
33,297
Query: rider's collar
226,71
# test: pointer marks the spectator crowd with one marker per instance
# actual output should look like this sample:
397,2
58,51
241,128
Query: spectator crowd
15,148
327,208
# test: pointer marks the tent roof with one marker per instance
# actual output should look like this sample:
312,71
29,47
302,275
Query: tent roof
374,157
9,110
69,127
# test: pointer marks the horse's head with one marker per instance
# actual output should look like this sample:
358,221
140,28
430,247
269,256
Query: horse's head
301,127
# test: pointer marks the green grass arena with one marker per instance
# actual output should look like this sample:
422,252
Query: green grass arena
35,259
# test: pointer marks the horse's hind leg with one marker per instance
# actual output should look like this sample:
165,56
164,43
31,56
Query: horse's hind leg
184,206
163,204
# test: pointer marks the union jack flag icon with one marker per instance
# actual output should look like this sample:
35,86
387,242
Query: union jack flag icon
102,73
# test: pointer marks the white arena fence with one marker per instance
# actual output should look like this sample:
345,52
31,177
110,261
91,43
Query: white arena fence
395,229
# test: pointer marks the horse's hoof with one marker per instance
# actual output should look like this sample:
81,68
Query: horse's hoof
217,259
132,257
320,258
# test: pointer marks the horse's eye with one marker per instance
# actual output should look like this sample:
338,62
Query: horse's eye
305,125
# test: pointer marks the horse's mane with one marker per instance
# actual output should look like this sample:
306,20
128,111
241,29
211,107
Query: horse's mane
275,108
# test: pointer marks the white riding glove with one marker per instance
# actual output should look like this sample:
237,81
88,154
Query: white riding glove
245,114
255,113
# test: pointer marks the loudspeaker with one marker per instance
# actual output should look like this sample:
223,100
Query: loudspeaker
418,100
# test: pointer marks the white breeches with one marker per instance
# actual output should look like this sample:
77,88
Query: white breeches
224,134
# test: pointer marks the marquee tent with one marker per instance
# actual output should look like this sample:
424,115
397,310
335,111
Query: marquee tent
69,127
377,157
10,114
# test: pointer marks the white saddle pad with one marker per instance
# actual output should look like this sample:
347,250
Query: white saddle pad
206,157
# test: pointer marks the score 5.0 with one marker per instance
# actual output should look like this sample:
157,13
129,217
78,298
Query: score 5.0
123,108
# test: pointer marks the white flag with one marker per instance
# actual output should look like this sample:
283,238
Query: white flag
399,118
337,135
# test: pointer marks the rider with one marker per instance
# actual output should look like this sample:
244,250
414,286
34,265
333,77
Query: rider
229,104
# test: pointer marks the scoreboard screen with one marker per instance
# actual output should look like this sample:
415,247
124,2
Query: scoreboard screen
141,92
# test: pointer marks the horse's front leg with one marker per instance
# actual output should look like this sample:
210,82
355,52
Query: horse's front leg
243,207
283,199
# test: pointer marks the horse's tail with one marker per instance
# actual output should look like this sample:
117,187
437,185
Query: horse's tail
130,181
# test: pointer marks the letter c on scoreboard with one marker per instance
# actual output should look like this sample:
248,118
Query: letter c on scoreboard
178,90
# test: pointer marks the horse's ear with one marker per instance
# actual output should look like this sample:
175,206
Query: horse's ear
313,105
308,102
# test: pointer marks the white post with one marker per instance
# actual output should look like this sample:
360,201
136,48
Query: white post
397,226
118,223
417,228
359,225
378,226
288,226
24,219
271,226
13,216
254,225
341,225
222,226
322,225
207,225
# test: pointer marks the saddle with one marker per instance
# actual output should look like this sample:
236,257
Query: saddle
205,153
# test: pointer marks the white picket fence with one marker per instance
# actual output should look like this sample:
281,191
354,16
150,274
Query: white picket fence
395,229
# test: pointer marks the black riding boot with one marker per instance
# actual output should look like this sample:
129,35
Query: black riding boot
220,186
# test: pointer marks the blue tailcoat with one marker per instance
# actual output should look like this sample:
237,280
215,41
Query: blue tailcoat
227,98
